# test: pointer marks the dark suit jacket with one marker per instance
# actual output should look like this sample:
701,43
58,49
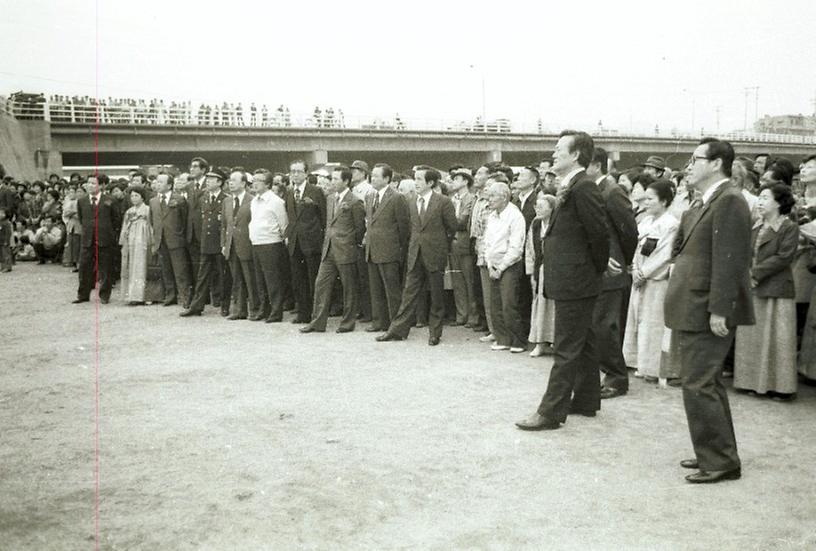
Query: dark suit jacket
235,230
432,234
307,220
773,258
108,216
711,273
623,231
193,215
575,251
211,222
387,230
529,209
10,200
344,232
461,244
170,223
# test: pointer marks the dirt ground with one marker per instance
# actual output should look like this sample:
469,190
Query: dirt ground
240,435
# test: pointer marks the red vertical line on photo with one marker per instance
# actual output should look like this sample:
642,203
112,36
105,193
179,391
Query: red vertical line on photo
96,281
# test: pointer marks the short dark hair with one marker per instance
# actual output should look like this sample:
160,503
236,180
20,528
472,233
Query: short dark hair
265,174
664,190
782,169
202,163
809,158
54,194
782,194
600,156
345,173
132,176
758,155
644,179
170,179
507,171
499,177
534,170
140,190
387,171
720,149
581,142
300,162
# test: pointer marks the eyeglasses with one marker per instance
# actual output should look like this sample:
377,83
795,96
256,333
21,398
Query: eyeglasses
696,158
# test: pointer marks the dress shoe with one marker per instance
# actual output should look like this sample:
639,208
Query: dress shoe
498,347
584,412
373,329
75,270
310,329
234,317
188,313
690,464
255,318
225,313
80,300
709,477
479,328
517,349
487,338
385,337
468,326
366,319
273,320
675,382
455,323
538,422
104,300
169,302
135,303
300,320
609,392
433,341
342,329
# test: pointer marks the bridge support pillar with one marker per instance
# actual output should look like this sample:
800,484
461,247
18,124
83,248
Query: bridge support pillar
493,156
318,157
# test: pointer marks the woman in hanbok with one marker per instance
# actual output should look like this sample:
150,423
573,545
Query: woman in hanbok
765,353
645,329
135,239
542,318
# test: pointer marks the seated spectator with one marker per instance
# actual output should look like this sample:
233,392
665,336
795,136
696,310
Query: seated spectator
765,353
48,241
22,248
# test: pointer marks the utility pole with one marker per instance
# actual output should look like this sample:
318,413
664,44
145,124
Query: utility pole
748,90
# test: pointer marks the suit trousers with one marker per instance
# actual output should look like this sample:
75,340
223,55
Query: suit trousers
486,285
525,299
244,287
705,399
415,280
385,285
464,297
304,273
363,286
606,323
326,276
270,279
95,265
504,308
574,380
175,271
213,267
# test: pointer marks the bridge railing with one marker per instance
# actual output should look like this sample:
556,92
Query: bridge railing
185,115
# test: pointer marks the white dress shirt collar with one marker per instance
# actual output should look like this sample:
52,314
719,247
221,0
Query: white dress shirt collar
710,191
341,195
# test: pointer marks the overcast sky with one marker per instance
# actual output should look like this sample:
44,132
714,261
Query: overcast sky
631,64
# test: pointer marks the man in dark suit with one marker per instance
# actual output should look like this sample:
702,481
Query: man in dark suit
237,247
708,296
461,255
433,225
525,198
168,215
344,236
575,254
623,237
99,218
212,261
386,243
306,210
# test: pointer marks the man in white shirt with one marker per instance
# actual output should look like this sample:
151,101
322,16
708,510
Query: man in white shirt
503,249
267,228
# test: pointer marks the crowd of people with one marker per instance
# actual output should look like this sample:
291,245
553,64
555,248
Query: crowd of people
679,278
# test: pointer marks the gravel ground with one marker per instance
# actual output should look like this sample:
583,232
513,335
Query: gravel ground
239,435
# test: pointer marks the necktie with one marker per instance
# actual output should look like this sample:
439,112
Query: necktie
376,202
93,201
212,199
421,207
299,194
163,201
235,206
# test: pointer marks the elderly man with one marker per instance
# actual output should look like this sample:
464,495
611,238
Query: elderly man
168,216
503,249
236,247
267,228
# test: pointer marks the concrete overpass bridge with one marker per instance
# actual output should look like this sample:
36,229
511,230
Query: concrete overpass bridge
49,145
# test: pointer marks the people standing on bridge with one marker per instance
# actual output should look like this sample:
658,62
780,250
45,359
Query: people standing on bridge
575,255
253,115
306,211
212,270
317,118
361,189
168,214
